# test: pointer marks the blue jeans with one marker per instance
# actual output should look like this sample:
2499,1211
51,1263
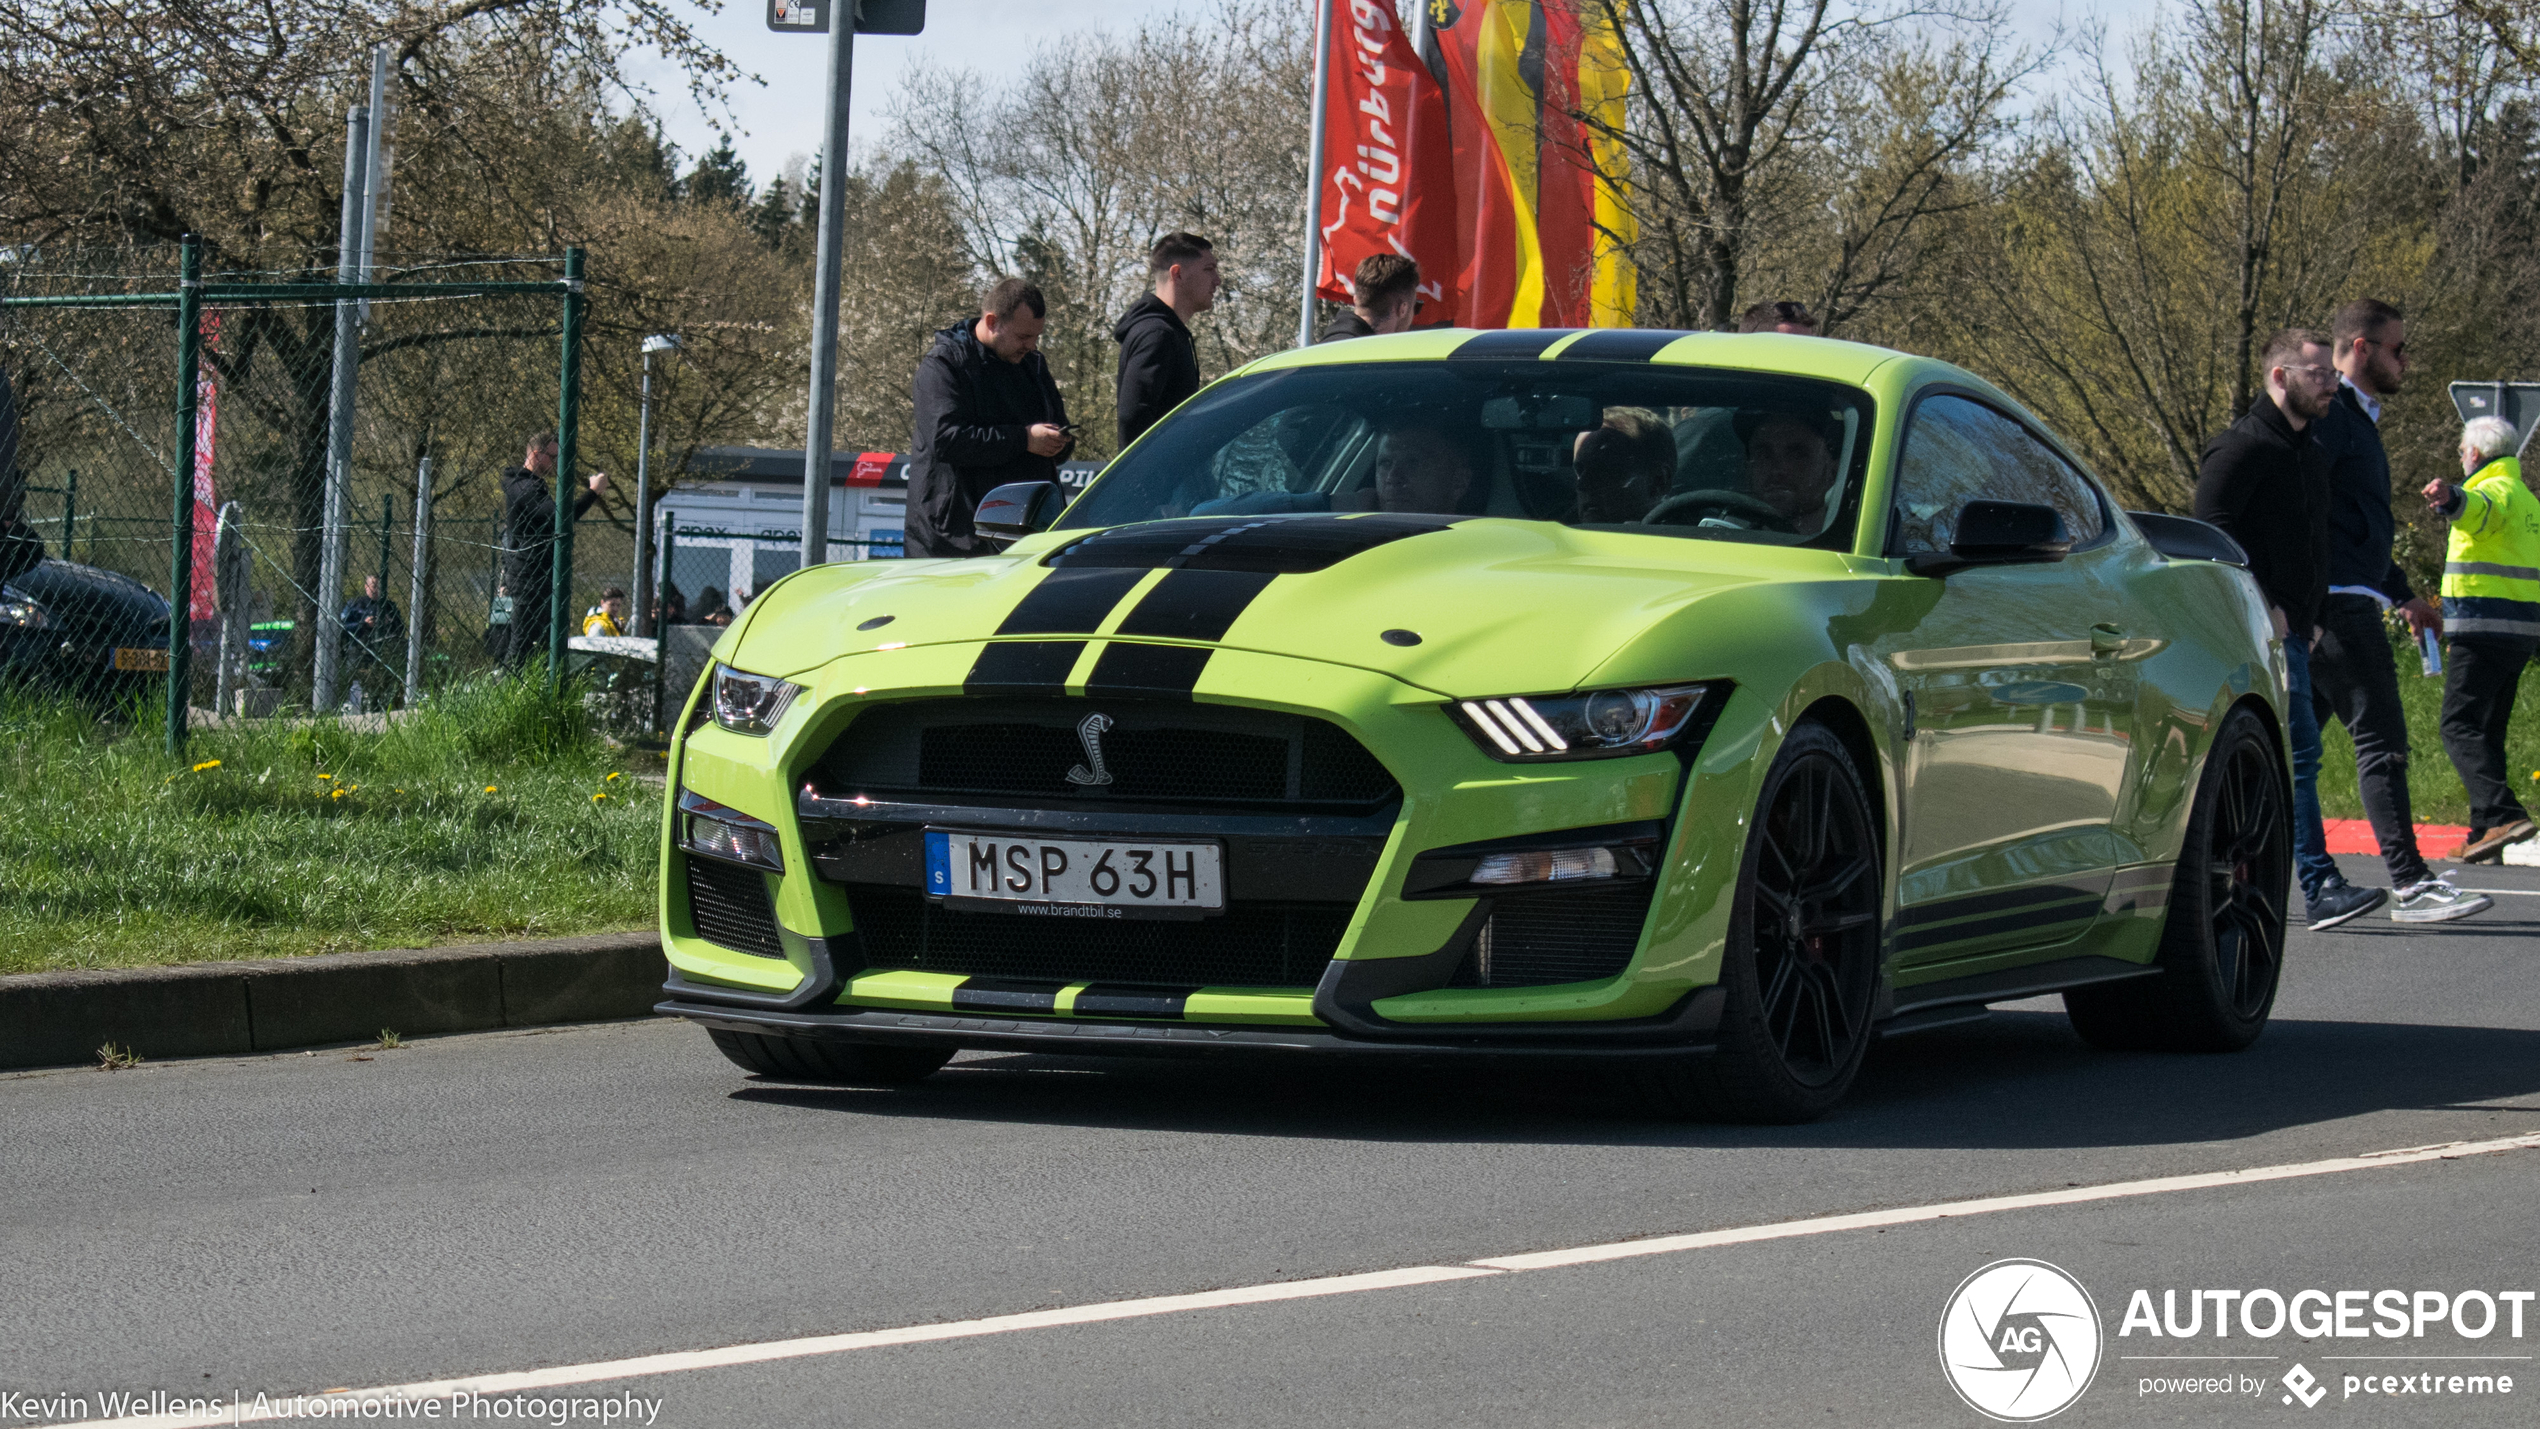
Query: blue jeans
2311,862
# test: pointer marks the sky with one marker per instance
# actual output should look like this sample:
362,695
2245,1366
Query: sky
780,121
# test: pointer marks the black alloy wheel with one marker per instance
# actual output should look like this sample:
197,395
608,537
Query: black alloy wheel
1803,950
2222,949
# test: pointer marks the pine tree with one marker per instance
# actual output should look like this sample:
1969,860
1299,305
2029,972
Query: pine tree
719,177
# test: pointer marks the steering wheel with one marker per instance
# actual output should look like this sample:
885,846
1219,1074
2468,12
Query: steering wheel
1726,503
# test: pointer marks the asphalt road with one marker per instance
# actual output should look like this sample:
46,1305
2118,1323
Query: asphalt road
517,1201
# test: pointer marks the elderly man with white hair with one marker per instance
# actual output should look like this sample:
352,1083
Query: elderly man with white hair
2491,612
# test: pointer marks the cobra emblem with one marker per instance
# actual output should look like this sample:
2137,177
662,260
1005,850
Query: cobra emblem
1089,730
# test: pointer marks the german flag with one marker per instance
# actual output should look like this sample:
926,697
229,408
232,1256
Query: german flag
1542,201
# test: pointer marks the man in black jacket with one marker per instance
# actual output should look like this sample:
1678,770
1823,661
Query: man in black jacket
1159,365
2261,480
1386,288
2352,670
988,412
529,550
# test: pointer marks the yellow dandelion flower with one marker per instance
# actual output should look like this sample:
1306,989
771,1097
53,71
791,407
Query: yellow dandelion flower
489,788
616,775
326,776
336,794
207,764
597,798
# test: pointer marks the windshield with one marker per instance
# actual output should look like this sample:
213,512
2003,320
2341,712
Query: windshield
1679,451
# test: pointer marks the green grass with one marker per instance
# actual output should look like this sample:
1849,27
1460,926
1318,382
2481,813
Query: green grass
2433,789
492,812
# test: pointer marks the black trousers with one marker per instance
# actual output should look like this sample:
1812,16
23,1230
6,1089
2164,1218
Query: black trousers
2479,676
2355,682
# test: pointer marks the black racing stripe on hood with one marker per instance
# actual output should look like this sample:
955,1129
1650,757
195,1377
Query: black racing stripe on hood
1105,1000
986,994
1283,545
1167,671
1194,604
1023,667
1620,344
1509,342
1070,602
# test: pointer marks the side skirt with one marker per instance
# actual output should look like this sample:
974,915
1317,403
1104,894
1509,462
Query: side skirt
1955,1000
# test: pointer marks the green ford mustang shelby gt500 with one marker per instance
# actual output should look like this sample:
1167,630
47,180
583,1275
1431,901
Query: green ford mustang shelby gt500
1717,703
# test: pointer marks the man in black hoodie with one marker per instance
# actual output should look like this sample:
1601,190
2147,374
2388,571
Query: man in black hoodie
988,412
529,550
2262,480
1159,365
1387,292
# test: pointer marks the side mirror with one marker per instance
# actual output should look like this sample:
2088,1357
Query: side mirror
1998,533
1017,509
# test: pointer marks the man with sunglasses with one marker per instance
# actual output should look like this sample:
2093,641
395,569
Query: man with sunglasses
2352,673
2260,480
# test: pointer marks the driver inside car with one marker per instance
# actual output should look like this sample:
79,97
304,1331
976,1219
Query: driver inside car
1790,466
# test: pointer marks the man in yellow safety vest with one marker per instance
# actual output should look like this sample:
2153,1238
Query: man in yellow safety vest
2491,614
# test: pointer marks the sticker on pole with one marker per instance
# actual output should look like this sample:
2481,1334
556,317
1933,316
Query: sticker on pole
872,17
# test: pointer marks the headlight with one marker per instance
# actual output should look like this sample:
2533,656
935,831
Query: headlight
749,704
1598,725
24,614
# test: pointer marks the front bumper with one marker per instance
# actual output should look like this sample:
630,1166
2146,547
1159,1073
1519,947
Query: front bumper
845,968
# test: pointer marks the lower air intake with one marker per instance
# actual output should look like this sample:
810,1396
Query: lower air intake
1542,938
731,909
1251,944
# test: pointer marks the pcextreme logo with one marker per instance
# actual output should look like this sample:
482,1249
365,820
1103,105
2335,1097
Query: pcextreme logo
2019,1341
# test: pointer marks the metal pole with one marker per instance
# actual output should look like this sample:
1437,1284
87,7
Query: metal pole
229,580
1314,173
414,602
568,416
189,356
661,622
339,438
70,512
824,288
374,182
643,494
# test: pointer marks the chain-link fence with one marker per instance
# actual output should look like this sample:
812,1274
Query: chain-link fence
356,524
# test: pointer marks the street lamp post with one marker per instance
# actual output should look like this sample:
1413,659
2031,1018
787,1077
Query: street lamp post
640,588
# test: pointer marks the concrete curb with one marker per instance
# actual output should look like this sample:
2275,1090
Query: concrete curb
208,1009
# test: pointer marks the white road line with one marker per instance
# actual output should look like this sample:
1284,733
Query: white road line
601,1371
2074,1195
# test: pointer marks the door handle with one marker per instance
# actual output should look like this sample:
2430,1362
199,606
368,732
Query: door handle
2106,642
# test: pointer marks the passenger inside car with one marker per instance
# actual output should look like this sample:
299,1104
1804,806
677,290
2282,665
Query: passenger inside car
1623,466
1422,467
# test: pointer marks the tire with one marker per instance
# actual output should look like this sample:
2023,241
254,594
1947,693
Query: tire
2222,947
1801,977
848,1064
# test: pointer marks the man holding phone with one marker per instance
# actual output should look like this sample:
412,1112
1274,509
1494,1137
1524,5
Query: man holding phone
988,412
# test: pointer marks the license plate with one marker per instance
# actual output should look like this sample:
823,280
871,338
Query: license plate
1075,878
154,661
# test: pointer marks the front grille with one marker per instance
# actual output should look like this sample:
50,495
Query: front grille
1540,938
1251,944
1144,764
1153,752
731,909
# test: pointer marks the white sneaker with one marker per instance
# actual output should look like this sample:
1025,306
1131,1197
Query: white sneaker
2435,901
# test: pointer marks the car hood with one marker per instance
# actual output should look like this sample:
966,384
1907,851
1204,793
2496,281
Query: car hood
1496,606
80,597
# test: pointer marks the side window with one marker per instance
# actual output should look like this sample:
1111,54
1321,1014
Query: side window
1959,451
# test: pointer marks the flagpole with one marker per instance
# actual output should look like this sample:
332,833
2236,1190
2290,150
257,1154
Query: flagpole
1314,173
